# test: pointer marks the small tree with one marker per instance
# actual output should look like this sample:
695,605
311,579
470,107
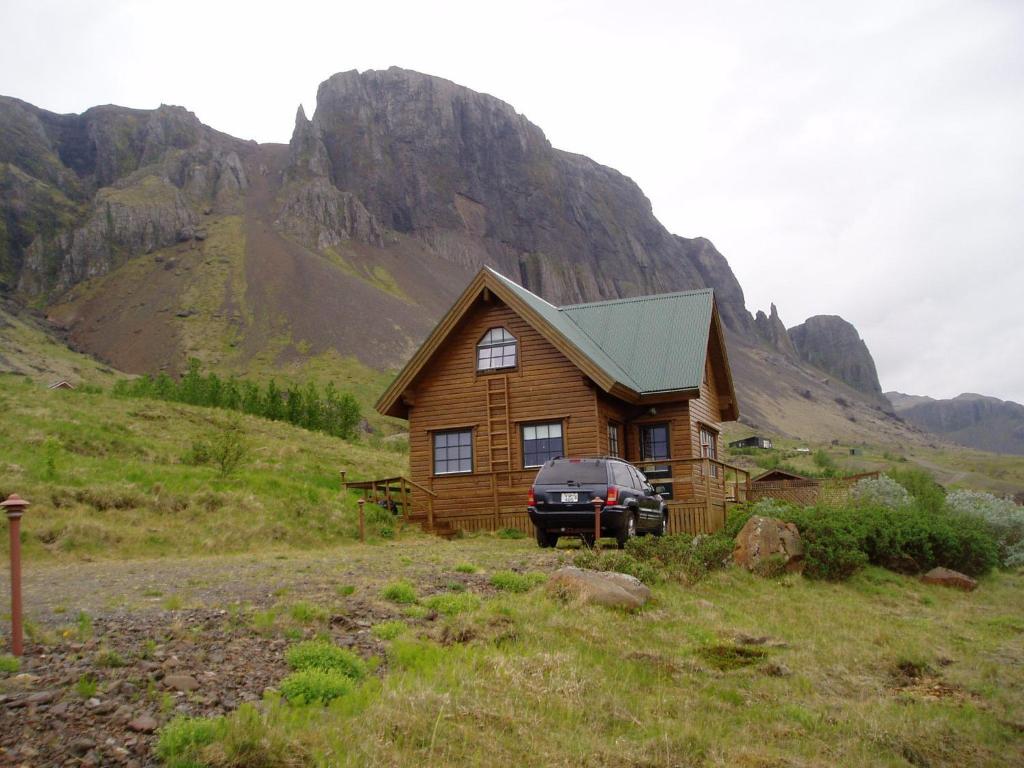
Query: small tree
229,448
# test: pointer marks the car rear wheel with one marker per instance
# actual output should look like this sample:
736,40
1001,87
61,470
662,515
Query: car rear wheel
546,539
628,530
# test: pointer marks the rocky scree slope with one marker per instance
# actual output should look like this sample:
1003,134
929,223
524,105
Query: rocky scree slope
177,241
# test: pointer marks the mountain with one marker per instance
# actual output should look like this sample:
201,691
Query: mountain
833,345
151,238
985,423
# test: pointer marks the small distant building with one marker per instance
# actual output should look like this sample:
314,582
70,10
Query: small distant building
754,441
776,476
62,384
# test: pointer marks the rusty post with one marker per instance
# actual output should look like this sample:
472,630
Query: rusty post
362,521
344,485
14,506
597,501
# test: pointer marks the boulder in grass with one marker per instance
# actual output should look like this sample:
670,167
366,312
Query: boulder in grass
767,543
946,577
613,590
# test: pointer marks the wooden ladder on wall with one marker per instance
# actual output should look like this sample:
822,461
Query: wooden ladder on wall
499,429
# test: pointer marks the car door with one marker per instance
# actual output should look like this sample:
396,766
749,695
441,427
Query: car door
649,501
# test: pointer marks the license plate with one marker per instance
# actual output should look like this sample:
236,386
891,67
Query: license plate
570,498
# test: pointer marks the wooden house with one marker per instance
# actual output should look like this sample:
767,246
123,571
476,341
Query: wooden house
754,441
507,381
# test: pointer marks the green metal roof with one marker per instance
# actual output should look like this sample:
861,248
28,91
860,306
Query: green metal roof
649,343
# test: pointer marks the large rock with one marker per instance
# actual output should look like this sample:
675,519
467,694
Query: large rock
832,344
614,590
946,577
764,540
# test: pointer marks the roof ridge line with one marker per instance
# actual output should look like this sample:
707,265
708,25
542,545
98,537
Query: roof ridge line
651,297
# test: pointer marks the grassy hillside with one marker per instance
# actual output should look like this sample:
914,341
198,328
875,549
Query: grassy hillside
30,349
110,477
953,466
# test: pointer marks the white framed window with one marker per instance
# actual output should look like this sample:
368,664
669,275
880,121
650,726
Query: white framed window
541,443
453,452
709,447
497,349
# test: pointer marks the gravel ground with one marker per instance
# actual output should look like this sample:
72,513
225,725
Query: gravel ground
118,648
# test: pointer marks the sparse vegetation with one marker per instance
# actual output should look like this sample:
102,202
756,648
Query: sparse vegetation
401,592
510,581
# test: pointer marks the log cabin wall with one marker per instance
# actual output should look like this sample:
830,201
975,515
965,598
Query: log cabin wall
451,394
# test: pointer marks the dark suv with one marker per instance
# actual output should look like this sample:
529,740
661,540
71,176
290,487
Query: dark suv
560,501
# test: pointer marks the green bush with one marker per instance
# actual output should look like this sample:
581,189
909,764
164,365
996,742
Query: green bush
182,739
451,604
654,559
510,581
921,486
9,664
312,686
620,562
880,491
839,541
401,592
318,654
1003,519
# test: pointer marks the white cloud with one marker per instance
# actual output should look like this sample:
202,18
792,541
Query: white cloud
855,159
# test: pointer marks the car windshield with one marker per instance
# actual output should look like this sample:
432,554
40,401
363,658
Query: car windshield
580,471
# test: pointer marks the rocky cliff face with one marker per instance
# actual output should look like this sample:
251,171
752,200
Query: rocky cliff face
83,193
480,184
830,343
985,423
771,329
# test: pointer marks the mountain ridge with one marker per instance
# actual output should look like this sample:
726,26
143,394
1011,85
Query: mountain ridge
353,239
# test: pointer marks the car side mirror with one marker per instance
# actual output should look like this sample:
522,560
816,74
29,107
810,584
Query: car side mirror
648,488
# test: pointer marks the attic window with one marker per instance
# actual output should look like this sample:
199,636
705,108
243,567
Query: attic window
497,349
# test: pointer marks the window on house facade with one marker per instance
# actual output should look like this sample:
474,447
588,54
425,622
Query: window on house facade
613,439
541,443
654,441
654,447
453,452
497,349
709,447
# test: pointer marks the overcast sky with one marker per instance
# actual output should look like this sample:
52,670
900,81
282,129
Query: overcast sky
863,159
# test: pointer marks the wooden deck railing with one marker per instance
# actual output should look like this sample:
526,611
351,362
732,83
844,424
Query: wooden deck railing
396,492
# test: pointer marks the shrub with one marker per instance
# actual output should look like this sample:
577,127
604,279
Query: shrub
325,656
229,448
451,604
182,739
401,592
1003,518
307,613
311,686
620,562
921,486
9,664
510,581
880,491
388,630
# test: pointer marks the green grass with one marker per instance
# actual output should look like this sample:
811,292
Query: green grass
105,478
401,592
733,670
317,654
510,581
450,604
9,664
